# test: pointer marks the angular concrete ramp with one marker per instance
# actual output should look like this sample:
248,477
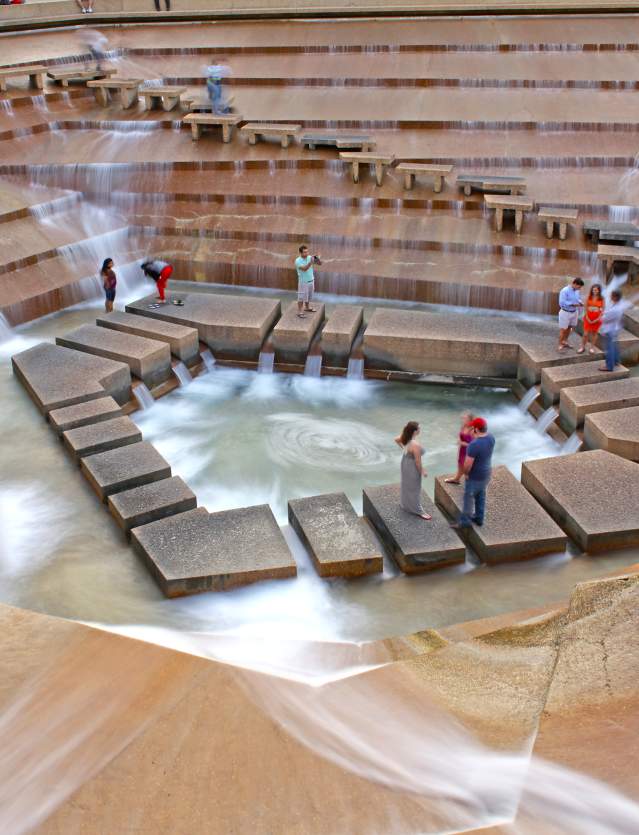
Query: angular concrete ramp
123,468
616,431
340,331
200,551
578,401
56,377
415,544
93,411
592,495
183,341
150,502
99,437
148,359
339,541
515,527
555,378
292,336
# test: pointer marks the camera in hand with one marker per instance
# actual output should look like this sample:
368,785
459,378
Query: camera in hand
316,259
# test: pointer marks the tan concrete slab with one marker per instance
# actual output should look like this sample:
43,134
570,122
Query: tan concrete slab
578,401
556,378
182,340
149,502
339,332
124,468
82,414
292,335
616,431
99,437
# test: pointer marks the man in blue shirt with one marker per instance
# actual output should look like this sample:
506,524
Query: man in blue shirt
570,304
477,469
305,281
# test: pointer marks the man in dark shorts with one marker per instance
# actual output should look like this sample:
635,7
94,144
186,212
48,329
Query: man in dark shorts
477,470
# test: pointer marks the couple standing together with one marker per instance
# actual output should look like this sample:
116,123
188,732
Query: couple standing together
476,446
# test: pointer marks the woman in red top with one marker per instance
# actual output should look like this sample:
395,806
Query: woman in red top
593,312
109,282
464,439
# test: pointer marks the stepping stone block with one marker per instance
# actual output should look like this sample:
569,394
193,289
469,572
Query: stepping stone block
340,331
592,495
150,502
82,414
183,341
56,377
200,551
98,437
338,540
515,527
616,431
557,377
234,327
415,544
148,359
578,401
123,468
292,336
631,320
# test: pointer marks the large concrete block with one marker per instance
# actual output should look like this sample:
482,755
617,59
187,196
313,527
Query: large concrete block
201,551
98,437
592,495
148,359
292,336
555,378
415,544
515,527
234,327
56,377
615,431
631,320
578,401
123,468
339,333
82,414
150,502
338,540
183,341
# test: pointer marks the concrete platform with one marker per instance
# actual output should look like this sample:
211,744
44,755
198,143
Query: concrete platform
556,378
615,431
123,468
339,542
292,336
148,359
339,333
200,551
415,544
183,341
631,320
577,402
515,527
56,377
592,495
150,502
98,437
234,327
82,414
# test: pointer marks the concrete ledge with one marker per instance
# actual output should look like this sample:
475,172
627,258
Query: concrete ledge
340,331
577,402
56,377
141,505
415,544
338,540
292,336
592,495
98,437
616,431
148,359
124,468
200,551
555,378
183,341
515,527
82,414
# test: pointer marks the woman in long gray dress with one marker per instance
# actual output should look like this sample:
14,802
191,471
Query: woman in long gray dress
412,470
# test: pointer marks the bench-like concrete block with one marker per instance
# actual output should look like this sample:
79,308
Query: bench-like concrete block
415,544
148,359
157,500
592,495
82,414
631,320
200,551
616,431
578,401
98,437
183,341
340,331
557,377
123,468
56,377
338,540
515,526
292,336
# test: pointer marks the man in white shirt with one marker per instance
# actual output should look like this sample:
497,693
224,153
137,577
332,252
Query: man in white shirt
611,324
570,304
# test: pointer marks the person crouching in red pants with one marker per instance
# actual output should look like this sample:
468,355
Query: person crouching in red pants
160,272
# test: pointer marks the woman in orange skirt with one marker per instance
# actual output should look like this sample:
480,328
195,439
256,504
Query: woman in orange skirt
593,311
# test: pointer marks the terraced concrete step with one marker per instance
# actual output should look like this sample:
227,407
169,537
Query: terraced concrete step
99,437
340,331
556,378
292,335
150,502
83,414
124,468
183,341
578,401
616,431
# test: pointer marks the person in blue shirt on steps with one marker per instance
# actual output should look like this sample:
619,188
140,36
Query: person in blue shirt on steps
477,470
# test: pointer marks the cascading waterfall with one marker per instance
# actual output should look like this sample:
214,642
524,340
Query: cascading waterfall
208,359
266,362
528,399
313,365
546,418
571,444
143,396
355,370
182,373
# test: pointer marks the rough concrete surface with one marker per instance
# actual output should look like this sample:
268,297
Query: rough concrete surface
98,437
292,336
616,431
578,401
149,502
123,468
82,414
182,340
556,378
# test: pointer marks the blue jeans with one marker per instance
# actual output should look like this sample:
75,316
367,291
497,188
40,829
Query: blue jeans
474,498
612,351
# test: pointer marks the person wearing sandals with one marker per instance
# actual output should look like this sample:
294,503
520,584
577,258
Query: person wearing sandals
569,304
305,281
411,470
465,437
592,318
